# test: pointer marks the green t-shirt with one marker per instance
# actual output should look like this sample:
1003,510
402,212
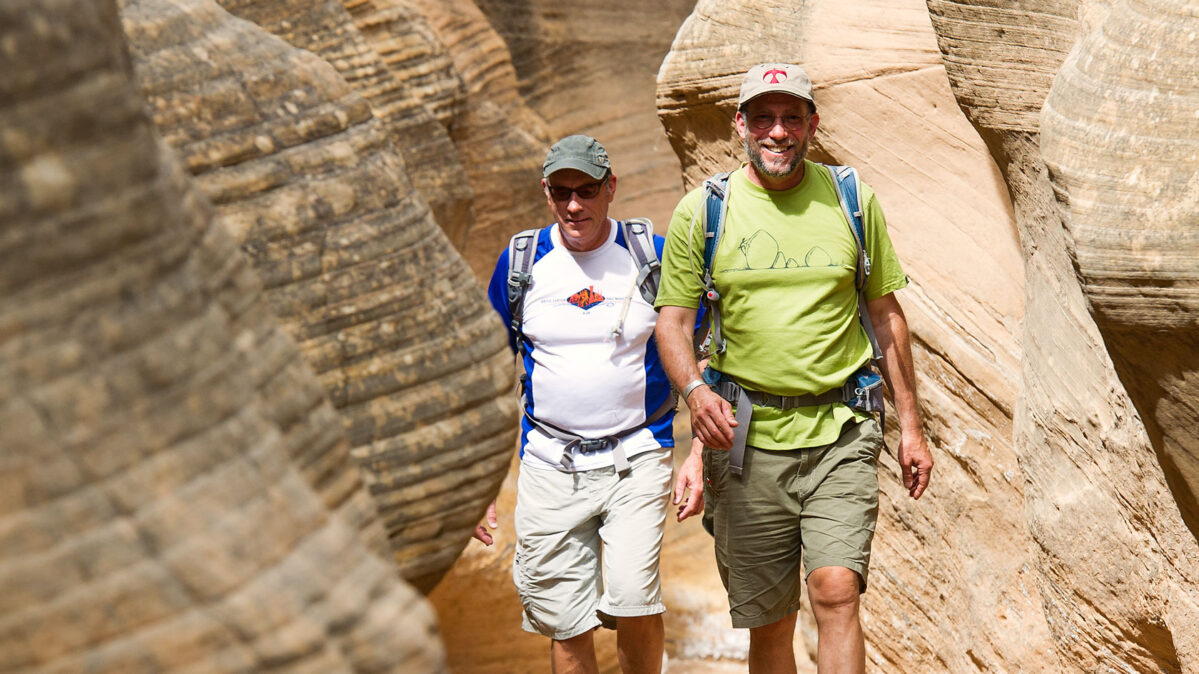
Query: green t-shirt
784,269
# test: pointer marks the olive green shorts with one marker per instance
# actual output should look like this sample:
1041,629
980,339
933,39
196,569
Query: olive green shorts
816,505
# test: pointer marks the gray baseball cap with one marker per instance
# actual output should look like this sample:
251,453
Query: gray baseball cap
582,153
766,78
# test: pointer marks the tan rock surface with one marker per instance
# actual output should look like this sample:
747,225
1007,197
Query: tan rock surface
398,98
1114,559
162,435
500,140
399,332
1121,140
591,70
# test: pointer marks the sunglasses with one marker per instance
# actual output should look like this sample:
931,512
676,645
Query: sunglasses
585,191
764,121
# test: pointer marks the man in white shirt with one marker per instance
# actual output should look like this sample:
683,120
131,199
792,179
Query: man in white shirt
596,436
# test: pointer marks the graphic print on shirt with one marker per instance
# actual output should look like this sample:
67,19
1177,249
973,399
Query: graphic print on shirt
761,250
586,298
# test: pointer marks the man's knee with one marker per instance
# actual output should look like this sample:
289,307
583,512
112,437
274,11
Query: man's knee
834,589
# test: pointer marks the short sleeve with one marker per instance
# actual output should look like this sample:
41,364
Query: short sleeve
886,273
682,256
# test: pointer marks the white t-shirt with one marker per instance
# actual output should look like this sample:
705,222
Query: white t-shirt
592,367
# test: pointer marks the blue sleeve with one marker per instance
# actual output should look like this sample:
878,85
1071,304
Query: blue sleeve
497,293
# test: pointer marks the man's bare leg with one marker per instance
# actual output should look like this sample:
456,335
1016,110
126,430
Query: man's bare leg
771,649
639,644
834,594
575,655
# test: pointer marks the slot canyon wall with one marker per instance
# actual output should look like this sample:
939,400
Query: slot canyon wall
251,391
177,491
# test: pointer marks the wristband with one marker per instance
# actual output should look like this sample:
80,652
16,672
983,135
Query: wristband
695,383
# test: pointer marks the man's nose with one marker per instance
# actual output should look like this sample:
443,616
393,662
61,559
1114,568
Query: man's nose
777,130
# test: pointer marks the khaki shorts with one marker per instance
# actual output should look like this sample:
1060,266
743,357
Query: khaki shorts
561,521
817,506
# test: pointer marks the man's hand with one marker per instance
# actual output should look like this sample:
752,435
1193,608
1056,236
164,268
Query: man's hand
481,531
712,418
915,463
891,329
691,477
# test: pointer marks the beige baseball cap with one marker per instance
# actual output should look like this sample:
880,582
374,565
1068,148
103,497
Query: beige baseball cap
766,78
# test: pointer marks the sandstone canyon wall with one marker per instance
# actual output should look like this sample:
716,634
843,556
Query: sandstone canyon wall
1109,358
309,179
591,70
176,489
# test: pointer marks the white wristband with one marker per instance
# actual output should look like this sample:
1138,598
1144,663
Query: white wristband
695,383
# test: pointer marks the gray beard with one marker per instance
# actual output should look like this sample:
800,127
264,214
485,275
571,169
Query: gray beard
755,158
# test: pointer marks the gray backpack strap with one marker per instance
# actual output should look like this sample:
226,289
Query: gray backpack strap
729,390
639,237
521,249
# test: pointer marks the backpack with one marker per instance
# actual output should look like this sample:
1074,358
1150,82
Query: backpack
639,239
863,390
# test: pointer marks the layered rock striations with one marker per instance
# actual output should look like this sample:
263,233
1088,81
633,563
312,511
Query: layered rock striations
413,104
168,461
591,70
500,140
1120,138
1108,493
308,180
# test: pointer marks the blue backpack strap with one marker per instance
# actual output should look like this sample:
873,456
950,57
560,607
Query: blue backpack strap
849,190
716,207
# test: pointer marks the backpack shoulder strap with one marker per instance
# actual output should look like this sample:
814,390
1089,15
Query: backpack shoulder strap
849,190
715,208
639,238
521,249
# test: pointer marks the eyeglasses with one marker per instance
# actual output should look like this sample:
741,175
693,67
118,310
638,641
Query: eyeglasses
585,191
764,121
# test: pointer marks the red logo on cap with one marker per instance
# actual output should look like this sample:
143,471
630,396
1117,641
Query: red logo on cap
774,76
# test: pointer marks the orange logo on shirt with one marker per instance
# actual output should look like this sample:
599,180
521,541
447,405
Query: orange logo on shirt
586,298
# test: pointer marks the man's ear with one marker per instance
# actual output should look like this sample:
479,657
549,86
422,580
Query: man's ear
612,184
813,122
739,124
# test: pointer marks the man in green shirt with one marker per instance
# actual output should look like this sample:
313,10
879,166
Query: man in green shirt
785,274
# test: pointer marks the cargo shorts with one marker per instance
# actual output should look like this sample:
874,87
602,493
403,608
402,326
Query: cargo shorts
567,584
817,506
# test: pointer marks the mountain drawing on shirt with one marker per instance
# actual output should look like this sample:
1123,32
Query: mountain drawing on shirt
760,250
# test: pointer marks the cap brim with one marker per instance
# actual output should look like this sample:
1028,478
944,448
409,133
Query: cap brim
792,94
590,169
